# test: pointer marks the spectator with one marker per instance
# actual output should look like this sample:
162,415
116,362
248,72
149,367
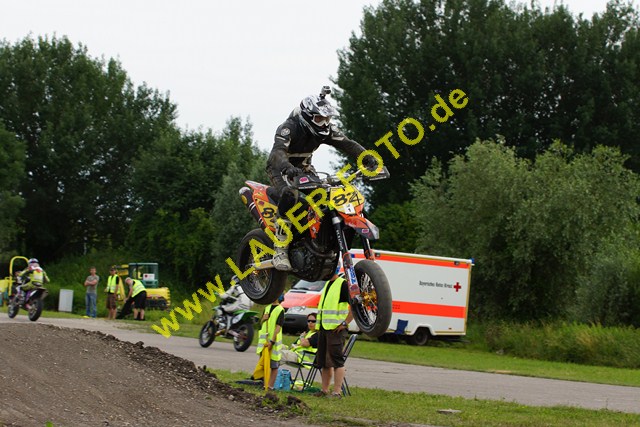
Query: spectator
112,289
138,294
270,337
307,342
334,314
91,296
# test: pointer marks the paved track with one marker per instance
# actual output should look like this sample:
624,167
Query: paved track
390,376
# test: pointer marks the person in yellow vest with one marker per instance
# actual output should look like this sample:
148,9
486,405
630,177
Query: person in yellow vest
138,293
270,337
30,278
334,314
112,288
307,342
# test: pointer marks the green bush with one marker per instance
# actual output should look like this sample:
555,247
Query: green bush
567,342
532,227
609,290
71,272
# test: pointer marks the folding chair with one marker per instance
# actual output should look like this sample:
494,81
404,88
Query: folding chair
313,369
347,350
305,364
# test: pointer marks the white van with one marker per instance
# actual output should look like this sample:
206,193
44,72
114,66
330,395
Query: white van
430,296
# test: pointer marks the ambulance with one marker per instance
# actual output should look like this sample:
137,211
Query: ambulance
430,296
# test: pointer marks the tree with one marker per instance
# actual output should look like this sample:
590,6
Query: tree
529,75
185,188
230,218
532,228
11,173
83,123
398,227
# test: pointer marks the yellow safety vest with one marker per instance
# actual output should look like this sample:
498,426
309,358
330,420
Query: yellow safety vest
266,332
112,284
137,288
307,357
332,312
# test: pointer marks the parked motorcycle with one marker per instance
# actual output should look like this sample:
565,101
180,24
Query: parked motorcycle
238,326
327,232
32,301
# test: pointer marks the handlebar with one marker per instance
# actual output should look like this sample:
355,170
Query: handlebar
311,181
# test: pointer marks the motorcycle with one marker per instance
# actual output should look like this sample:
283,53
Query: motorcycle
32,301
237,326
323,234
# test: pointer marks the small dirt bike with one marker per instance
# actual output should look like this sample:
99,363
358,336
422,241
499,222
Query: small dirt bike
329,218
238,326
32,301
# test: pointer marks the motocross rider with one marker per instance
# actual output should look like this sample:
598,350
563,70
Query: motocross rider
308,126
31,277
232,300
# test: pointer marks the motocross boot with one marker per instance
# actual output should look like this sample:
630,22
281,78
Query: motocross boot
281,257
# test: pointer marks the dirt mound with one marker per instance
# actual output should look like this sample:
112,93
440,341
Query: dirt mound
76,377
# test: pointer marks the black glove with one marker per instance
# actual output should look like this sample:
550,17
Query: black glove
292,171
370,162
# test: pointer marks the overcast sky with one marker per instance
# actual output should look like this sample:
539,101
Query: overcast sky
217,59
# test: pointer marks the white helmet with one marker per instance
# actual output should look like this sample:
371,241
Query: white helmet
316,112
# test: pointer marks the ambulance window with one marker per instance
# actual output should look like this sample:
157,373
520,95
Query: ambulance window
303,285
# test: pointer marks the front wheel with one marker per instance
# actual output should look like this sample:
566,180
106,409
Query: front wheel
261,286
13,308
244,338
207,334
373,314
35,309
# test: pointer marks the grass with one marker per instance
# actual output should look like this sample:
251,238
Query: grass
376,407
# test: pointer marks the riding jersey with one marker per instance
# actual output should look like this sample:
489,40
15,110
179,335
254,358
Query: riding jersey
294,144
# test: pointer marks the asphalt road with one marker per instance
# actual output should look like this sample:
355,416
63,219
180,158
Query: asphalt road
387,375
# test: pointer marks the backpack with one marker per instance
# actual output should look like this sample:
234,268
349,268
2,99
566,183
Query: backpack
283,380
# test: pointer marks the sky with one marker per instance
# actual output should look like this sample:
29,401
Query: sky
216,59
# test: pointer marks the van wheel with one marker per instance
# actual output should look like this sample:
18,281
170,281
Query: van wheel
420,337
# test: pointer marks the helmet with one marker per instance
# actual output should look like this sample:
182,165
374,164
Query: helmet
34,261
316,112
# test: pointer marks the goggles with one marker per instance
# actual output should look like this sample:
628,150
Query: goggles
321,120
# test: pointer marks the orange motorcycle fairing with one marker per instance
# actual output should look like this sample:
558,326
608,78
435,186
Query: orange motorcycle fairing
362,226
262,207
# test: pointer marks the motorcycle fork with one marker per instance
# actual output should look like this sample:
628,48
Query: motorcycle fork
347,262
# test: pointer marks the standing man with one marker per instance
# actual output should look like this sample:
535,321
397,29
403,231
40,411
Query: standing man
112,288
137,293
334,314
270,337
91,297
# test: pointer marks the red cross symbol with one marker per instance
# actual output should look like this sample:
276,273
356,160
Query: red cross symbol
457,287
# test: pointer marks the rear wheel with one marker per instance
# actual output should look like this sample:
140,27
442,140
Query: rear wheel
35,309
207,334
261,286
13,308
420,337
244,338
373,314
